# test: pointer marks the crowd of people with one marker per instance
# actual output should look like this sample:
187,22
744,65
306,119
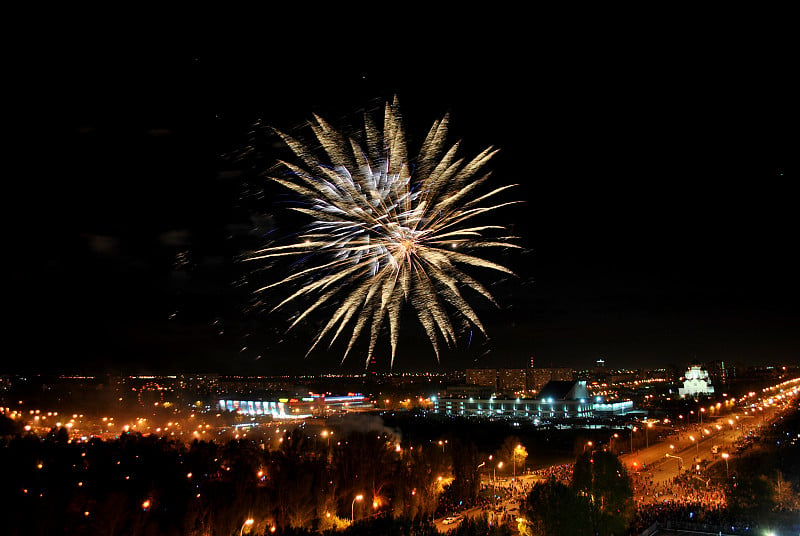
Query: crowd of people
685,501
686,488
562,473
686,513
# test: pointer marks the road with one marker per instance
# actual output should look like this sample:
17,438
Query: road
685,453
661,461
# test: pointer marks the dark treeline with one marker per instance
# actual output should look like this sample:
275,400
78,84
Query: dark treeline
139,484
543,443
391,476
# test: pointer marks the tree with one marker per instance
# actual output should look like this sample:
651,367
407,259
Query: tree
512,453
785,495
364,464
554,509
601,478
751,495
466,484
598,501
480,527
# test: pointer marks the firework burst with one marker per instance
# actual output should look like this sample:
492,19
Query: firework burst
387,231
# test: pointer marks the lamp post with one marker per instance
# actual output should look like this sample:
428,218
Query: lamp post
632,431
353,505
696,442
247,523
514,456
680,460
494,478
647,434
725,457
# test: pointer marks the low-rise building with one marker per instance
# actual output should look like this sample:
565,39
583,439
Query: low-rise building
557,400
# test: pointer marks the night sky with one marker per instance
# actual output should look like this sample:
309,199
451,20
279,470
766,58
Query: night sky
657,163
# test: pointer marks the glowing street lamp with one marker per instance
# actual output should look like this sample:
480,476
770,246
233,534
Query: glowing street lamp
353,505
725,457
494,477
680,460
247,523
647,434
697,442
517,449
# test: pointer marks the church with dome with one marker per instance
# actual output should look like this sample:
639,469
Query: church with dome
696,383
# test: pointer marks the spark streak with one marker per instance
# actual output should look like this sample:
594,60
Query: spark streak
387,230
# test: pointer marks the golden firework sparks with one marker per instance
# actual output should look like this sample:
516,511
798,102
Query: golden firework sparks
387,231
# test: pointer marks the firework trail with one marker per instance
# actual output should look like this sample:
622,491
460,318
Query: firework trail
387,230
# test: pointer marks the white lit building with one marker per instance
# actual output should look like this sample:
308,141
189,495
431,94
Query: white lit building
557,400
696,383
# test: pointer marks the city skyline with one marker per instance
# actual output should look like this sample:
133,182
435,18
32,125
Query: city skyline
657,224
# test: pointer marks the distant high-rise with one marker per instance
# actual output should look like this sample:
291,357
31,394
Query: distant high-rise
484,377
538,377
504,380
511,380
720,372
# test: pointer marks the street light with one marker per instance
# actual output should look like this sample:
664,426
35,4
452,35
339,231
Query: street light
514,455
680,460
632,431
647,434
353,505
494,477
247,523
697,442
725,457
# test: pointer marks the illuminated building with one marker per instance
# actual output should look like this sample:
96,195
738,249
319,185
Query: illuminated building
557,400
537,377
296,408
511,380
485,377
696,383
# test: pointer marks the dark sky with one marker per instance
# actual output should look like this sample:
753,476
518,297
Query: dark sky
657,162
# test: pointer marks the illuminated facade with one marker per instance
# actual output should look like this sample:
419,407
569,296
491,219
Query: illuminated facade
558,400
537,377
297,408
484,377
511,380
696,383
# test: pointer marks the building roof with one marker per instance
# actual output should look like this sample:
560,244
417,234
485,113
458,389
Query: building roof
559,390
